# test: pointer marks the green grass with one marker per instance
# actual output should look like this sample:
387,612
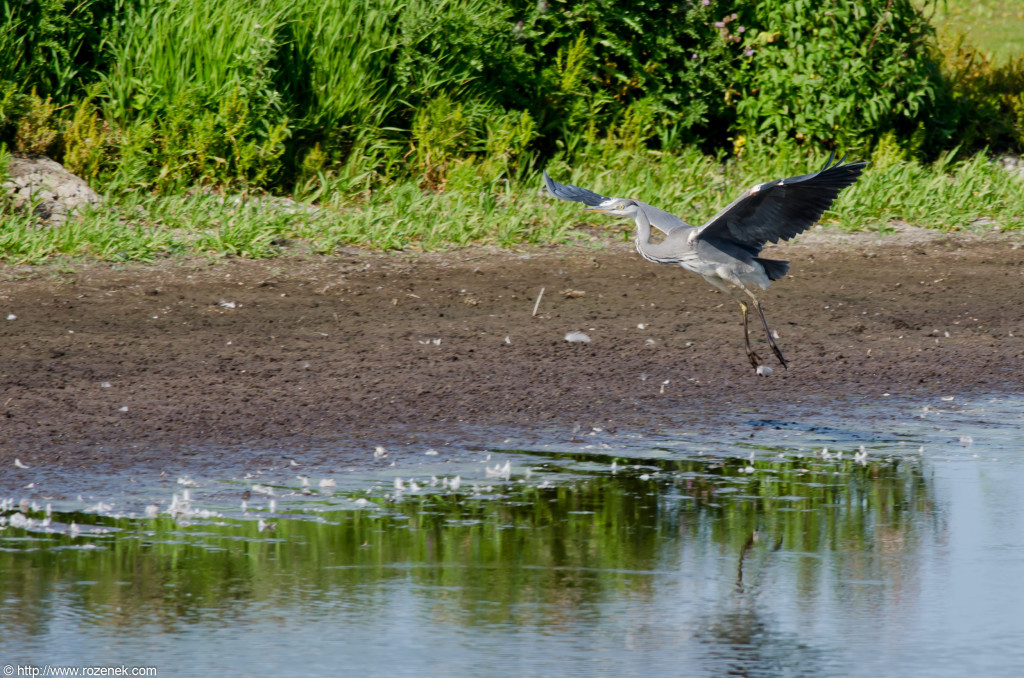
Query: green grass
996,27
948,195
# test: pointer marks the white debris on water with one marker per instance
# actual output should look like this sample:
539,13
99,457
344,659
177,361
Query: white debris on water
21,521
431,453
379,452
764,371
328,483
263,489
577,338
181,508
104,384
499,471
11,316
152,511
226,304
19,464
966,440
180,504
398,485
185,481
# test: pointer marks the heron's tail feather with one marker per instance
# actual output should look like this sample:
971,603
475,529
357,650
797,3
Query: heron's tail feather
774,268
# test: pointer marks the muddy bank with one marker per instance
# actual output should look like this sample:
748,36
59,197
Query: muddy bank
109,365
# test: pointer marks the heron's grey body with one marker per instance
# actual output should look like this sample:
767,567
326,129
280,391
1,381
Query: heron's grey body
724,251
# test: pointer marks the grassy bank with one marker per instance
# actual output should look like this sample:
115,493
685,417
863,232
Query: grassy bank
947,195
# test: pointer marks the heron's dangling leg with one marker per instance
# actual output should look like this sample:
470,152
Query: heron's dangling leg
754,359
767,332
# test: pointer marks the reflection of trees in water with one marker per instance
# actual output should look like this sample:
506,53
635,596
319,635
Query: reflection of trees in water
534,555
862,524
737,637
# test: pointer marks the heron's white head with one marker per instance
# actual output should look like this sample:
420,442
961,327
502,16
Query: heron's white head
616,207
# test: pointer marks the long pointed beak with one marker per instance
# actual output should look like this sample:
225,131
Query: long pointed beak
595,209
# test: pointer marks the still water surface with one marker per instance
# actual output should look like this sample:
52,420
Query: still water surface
878,540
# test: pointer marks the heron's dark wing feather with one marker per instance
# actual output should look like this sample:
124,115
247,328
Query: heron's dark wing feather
780,209
660,219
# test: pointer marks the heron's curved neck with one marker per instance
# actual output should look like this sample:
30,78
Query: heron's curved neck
668,251
643,229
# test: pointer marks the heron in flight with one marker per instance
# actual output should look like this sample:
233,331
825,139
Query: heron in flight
725,250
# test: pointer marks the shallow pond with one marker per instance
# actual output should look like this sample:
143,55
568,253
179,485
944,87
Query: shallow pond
883,539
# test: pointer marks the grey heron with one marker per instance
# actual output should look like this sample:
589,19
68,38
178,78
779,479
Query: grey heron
724,251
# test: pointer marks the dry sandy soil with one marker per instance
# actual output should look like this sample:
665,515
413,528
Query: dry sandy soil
122,364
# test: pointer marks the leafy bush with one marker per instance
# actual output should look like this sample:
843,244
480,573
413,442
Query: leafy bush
465,48
839,74
332,69
200,78
36,130
667,53
86,141
52,46
345,96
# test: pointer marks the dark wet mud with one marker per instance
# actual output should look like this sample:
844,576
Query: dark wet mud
106,365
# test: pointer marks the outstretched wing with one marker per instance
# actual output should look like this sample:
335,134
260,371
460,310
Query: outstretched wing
660,219
780,209
574,193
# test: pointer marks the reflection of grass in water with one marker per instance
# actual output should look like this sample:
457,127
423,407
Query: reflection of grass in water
565,544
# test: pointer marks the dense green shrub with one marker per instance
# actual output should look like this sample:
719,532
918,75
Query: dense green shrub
332,68
328,96
841,73
49,51
52,46
658,65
